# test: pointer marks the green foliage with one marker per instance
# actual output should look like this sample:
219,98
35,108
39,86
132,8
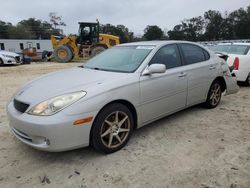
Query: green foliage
214,26
119,30
27,29
153,32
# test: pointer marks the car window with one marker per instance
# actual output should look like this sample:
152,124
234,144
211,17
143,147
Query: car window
167,55
231,49
193,54
120,58
207,56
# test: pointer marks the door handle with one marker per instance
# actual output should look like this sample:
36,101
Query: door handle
212,67
182,74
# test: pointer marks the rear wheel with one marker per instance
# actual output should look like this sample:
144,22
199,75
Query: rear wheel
96,50
248,80
214,95
63,54
112,128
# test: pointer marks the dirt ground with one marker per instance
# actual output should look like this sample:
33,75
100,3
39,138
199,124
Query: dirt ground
193,148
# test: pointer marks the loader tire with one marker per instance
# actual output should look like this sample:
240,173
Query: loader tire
63,54
96,50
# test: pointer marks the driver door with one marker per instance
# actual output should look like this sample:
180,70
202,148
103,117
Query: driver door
164,93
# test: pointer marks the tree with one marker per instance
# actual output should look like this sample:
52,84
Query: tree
214,23
153,32
177,33
119,30
240,23
4,29
27,29
56,20
189,29
214,26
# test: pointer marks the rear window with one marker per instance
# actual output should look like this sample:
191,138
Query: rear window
231,49
194,54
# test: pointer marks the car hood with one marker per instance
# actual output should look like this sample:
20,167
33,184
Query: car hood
2,52
66,81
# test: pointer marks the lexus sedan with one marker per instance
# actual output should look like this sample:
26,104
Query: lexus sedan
124,88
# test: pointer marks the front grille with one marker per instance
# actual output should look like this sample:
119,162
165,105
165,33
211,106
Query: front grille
17,58
20,106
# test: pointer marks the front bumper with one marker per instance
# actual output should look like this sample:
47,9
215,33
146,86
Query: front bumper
10,61
50,133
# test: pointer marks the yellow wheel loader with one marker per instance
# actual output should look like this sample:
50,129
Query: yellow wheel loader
89,42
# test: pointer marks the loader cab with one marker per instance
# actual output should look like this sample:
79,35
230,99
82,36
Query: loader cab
88,33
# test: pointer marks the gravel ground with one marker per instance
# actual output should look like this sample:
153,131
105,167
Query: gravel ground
192,148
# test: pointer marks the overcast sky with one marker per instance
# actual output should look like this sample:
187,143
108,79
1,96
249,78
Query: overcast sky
135,14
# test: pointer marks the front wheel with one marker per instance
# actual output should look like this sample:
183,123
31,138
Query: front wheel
214,95
63,54
112,128
1,62
248,80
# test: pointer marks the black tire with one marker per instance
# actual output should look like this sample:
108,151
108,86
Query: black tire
214,95
63,54
96,50
72,57
247,82
104,128
44,55
1,62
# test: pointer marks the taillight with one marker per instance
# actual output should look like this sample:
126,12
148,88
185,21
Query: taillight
236,63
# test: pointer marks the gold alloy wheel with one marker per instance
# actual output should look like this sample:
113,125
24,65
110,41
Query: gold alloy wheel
62,54
215,94
115,129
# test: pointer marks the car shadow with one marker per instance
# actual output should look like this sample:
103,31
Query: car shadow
9,65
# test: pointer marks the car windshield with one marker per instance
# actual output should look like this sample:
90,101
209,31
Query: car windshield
231,49
120,59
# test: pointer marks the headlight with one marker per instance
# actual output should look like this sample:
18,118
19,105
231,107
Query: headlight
56,104
8,56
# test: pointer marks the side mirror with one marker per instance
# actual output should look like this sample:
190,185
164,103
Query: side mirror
154,68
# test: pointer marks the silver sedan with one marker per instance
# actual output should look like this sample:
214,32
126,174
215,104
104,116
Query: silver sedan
126,87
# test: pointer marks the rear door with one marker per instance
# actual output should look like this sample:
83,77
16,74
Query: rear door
201,71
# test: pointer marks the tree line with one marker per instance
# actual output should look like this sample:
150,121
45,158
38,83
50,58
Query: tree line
213,25
32,28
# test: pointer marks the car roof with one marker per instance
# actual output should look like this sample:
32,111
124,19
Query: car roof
155,43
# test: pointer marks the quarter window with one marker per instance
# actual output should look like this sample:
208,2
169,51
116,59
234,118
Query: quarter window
193,54
167,55
207,56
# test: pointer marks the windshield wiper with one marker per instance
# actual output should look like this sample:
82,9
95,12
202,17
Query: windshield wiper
101,69
96,68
